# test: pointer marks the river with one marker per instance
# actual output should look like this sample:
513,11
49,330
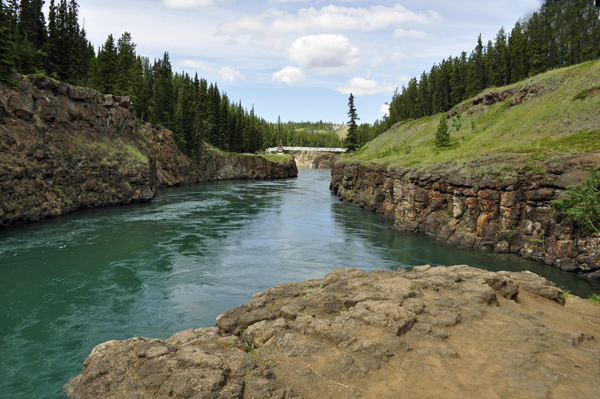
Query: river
152,269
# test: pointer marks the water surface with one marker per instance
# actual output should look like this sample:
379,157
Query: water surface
70,283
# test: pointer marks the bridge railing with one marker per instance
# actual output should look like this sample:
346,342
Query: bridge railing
321,149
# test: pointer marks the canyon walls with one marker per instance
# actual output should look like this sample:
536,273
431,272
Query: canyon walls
480,211
314,159
63,148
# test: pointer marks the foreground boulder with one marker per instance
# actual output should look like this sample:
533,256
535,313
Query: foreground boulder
451,332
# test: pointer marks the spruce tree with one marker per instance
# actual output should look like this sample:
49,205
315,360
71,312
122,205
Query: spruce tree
105,73
7,48
442,135
125,62
352,137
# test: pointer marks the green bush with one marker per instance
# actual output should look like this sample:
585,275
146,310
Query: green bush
582,204
442,135
594,298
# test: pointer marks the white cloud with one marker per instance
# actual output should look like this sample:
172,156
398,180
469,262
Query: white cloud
290,75
412,34
339,19
330,19
245,23
384,110
231,75
196,64
188,3
327,53
363,87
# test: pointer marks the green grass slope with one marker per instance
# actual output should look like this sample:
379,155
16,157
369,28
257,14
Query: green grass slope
559,117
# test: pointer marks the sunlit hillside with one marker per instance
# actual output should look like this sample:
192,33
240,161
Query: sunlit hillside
554,114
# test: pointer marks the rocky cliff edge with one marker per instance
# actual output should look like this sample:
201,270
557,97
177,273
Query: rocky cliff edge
452,332
484,211
63,148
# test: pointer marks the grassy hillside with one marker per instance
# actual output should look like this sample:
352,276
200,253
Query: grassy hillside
553,115
341,131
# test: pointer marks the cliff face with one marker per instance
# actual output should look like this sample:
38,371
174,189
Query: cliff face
63,148
314,159
174,167
483,212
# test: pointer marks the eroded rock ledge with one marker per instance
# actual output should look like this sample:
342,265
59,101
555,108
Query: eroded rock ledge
450,332
481,211
63,148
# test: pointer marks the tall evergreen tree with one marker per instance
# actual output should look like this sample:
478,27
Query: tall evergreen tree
126,60
7,48
352,136
105,73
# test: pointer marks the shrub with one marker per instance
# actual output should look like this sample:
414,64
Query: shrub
582,204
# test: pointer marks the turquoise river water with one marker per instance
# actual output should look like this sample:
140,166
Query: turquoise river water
70,283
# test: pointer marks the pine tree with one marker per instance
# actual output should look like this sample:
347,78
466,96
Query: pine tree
442,135
7,48
125,63
105,71
352,137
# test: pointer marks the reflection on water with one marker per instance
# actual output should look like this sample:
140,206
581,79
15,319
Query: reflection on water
70,283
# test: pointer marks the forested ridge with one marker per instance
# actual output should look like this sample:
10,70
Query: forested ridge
191,107
559,34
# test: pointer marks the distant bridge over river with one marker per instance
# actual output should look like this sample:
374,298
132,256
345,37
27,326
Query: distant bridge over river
320,149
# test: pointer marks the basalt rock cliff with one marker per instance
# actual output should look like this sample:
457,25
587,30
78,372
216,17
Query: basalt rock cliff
481,211
451,332
63,148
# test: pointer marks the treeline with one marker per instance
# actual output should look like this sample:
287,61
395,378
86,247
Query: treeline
191,107
561,33
28,44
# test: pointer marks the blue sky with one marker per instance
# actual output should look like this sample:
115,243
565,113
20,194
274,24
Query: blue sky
300,59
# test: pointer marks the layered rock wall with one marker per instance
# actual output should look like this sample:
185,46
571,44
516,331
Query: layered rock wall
63,148
513,215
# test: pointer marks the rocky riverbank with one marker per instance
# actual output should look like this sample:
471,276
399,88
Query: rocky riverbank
481,210
63,148
451,332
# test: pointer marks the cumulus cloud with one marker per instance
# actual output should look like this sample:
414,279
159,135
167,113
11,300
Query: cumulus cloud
231,75
188,3
384,110
412,34
196,64
330,19
363,87
327,53
246,23
290,75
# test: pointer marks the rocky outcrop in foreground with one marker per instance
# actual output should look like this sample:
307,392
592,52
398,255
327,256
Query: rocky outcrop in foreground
512,215
452,332
63,148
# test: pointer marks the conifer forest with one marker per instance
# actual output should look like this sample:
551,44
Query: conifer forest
560,33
